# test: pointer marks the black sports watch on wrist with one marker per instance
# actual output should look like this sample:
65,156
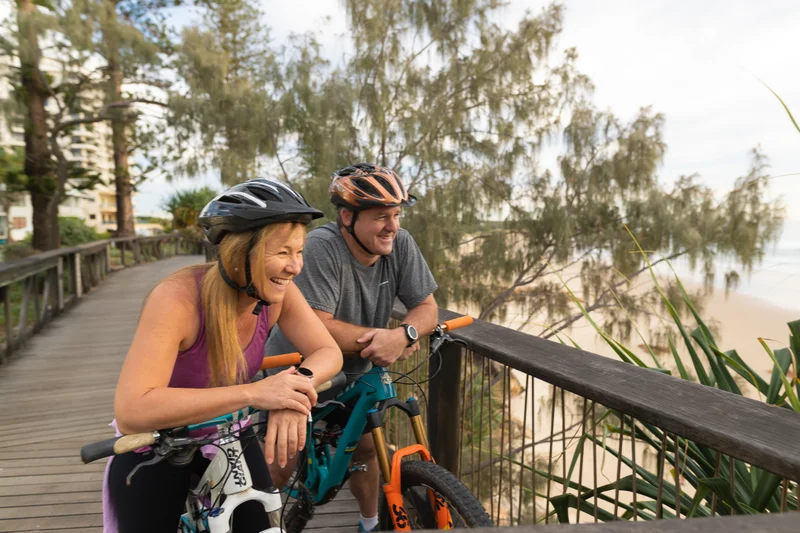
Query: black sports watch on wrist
411,334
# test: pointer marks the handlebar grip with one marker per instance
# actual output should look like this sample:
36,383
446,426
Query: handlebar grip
456,323
117,445
335,381
286,359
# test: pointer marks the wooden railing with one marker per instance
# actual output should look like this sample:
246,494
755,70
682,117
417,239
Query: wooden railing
51,282
545,433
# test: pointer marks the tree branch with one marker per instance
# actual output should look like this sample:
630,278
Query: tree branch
600,301
101,115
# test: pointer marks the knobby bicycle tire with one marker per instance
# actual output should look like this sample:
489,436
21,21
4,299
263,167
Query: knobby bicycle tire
296,517
418,476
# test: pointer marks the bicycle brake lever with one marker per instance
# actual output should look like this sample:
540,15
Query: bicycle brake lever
155,460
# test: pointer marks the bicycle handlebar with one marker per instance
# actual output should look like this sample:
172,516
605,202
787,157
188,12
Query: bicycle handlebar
128,443
117,445
456,323
286,359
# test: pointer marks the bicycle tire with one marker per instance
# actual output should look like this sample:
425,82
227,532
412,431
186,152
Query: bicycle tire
418,476
297,518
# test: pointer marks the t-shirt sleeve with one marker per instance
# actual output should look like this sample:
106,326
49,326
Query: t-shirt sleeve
319,279
416,280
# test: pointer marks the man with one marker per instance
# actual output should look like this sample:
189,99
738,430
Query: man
353,270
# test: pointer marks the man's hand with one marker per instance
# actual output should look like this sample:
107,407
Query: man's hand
408,352
385,346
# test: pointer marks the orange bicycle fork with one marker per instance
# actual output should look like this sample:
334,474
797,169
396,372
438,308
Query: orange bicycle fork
392,486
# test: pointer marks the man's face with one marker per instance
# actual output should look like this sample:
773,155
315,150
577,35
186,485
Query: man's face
377,228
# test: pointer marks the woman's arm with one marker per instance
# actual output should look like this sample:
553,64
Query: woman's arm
307,333
143,400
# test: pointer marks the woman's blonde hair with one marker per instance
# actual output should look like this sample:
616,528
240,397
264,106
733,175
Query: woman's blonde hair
226,359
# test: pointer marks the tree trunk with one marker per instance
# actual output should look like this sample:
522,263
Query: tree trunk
45,222
122,177
38,160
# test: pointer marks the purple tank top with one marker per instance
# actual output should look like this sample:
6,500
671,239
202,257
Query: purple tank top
191,369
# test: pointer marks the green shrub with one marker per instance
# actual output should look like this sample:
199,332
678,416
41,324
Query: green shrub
74,231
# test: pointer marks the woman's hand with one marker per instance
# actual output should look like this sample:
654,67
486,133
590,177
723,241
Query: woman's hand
286,390
286,435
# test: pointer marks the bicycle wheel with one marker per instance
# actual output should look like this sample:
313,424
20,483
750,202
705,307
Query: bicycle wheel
297,517
416,477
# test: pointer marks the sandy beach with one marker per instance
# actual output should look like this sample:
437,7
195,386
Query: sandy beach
739,319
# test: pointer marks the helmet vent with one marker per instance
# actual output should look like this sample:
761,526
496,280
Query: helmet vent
264,194
385,184
367,186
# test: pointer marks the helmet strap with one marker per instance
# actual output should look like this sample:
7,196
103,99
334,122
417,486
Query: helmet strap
351,229
249,289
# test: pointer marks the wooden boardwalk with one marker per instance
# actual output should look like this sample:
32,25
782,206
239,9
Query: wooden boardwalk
57,395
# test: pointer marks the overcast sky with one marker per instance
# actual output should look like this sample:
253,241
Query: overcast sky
696,62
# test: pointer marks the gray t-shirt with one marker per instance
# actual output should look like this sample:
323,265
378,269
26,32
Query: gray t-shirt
333,281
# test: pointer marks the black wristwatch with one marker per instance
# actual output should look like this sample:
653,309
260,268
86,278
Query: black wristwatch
411,334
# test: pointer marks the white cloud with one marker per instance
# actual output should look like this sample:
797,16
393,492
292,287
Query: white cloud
696,62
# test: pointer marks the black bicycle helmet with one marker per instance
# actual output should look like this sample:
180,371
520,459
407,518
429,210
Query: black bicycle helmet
252,205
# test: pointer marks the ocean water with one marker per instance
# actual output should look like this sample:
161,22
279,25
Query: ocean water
775,280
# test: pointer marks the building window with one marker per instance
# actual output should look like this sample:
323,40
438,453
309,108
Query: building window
76,139
92,217
20,222
77,152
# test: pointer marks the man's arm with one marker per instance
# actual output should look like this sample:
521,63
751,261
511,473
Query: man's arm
345,334
388,345
382,346
424,317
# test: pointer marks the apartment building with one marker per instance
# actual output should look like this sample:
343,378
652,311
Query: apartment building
90,146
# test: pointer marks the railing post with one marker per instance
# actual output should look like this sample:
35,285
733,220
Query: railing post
9,325
77,276
444,407
137,252
60,283
108,258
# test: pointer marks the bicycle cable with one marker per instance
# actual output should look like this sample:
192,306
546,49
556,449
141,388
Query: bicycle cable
301,463
228,469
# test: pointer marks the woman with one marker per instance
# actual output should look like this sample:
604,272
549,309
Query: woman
200,341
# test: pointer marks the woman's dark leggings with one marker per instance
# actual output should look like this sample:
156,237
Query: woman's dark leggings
156,497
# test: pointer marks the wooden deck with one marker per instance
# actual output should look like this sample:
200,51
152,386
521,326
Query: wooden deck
56,395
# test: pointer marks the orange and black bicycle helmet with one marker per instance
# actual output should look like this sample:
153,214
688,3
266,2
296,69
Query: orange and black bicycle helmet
365,185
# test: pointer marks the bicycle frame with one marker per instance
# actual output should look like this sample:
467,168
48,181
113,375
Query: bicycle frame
228,475
373,393
326,474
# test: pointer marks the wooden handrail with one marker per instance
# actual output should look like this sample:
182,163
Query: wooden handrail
765,436
56,279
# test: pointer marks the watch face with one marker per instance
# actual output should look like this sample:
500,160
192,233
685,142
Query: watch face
412,332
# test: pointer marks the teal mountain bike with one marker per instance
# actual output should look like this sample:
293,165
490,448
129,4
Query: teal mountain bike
417,494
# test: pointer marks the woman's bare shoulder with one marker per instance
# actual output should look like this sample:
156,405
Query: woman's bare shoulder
180,290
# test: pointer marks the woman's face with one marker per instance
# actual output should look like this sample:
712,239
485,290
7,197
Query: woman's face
283,260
